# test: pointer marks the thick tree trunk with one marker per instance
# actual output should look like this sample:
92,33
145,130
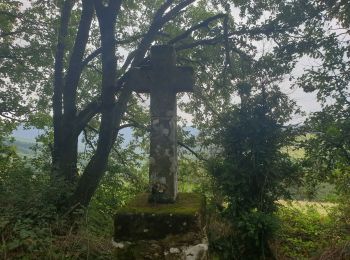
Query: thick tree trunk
58,87
66,131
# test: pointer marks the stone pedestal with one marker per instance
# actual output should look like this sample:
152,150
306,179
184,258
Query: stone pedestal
161,231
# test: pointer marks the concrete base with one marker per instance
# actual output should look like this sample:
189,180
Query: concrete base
161,231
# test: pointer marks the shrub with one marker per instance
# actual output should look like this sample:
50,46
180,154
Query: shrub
252,172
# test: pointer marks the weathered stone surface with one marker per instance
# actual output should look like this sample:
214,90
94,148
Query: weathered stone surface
151,249
163,79
143,220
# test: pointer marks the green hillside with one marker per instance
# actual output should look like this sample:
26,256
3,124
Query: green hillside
23,146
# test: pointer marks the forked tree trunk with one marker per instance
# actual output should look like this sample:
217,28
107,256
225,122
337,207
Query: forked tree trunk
66,130
96,167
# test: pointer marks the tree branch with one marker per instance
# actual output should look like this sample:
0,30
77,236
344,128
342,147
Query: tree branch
192,151
87,114
157,23
188,32
88,141
98,51
90,57
74,69
148,129
5,34
191,45
174,11
228,63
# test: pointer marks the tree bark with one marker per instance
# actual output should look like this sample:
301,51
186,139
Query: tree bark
66,128
58,85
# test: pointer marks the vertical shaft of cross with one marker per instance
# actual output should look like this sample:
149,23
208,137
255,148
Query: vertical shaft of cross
163,147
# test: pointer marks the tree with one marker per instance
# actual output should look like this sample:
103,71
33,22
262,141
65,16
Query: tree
251,171
327,38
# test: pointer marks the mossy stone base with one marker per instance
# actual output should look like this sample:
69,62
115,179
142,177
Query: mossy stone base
141,220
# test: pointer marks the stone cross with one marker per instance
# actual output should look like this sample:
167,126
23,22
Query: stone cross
162,79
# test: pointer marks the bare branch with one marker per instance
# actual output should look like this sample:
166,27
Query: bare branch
90,57
128,60
174,11
156,25
192,151
211,41
87,140
135,125
226,44
5,34
87,114
202,24
98,51
11,118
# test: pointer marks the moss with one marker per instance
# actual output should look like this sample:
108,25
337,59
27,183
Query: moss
143,220
186,203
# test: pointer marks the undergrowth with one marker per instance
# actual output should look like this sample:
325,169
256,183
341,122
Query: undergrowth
31,227
307,232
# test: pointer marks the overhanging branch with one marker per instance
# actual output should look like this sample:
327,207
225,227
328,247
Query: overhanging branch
187,33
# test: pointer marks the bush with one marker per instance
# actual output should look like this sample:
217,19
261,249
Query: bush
252,172
30,225
309,231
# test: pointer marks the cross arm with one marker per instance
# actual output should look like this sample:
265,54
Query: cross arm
142,79
184,79
139,79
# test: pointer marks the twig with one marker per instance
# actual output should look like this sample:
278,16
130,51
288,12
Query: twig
192,151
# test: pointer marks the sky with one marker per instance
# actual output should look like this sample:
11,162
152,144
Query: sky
307,101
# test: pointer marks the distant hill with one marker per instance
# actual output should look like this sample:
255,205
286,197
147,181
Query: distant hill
26,138
27,135
23,146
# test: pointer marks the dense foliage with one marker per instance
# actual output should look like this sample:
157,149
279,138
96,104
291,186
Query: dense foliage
252,172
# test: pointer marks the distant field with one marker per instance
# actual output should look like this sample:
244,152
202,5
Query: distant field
322,208
24,147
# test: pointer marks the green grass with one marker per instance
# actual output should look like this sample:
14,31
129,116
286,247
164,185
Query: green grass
307,230
322,208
